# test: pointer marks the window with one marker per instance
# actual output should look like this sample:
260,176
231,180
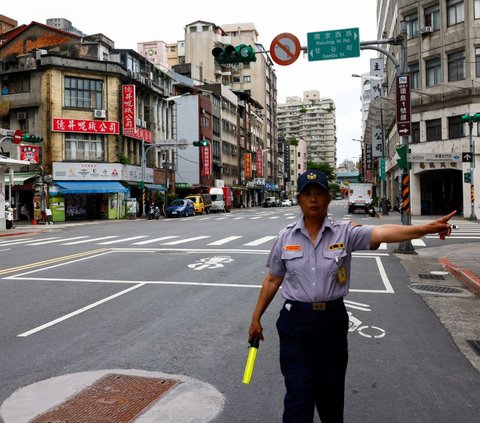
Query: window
15,84
455,127
83,93
415,132
456,66
432,17
476,9
434,129
477,62
412,25
84,147
247,78
455,12
414,72
433,71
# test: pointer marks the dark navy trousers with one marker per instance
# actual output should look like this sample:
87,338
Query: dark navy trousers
313,360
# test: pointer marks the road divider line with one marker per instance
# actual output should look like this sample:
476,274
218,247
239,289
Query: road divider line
50,261
79,311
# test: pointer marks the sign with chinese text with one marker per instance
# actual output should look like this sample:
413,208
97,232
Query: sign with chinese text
403,105
128,108
259,164
85,126
206,160
336,44
434,157
377,144
248,165
73,171
30,153
376,67
368,157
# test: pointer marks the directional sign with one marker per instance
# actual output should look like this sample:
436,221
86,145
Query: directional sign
433,157
285,49
336,44
467,157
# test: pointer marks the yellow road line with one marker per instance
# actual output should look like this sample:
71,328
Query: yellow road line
50,261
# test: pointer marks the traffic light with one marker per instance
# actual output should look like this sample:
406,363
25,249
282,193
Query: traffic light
32,139
202,143
470,118
402,154
467,177
231,54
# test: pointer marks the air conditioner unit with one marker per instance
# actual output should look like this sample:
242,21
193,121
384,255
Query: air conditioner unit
138,122
143,124
22,116
426,30
99,114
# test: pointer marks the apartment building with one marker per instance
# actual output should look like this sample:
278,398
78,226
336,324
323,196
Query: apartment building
312,119
442,58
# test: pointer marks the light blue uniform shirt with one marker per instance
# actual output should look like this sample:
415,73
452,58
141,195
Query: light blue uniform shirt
321,272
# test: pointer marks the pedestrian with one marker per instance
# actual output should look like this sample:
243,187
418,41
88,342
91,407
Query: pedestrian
311,260
24,211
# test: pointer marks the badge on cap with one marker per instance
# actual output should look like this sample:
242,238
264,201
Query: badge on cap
312,176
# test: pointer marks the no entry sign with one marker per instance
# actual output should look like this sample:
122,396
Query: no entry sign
285,49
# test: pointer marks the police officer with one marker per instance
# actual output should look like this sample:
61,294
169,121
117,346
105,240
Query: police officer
311,260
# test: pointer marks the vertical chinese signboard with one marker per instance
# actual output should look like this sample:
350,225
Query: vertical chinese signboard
206,160
259,163
403,105
128,108
248,165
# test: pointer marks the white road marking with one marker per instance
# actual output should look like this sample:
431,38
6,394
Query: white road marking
57,240
79,311
418,242
116,241
256,217
225,240
274,217
90,240
9,241
260,241
150,241
25,242
182,241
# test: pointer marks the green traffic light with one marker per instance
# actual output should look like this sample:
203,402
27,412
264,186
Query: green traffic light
202,143
231,54
32,139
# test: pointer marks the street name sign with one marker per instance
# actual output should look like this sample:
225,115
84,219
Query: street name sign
403,105
335,44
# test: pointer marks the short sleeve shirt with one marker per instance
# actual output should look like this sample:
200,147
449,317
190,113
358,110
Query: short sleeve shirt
321,272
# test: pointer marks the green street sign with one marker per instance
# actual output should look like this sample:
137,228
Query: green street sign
382,169
336,44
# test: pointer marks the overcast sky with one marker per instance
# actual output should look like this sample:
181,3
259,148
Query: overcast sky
148,20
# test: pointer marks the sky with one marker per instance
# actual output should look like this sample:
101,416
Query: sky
148,20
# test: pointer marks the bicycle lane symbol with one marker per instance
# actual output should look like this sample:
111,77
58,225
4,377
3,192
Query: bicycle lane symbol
355,324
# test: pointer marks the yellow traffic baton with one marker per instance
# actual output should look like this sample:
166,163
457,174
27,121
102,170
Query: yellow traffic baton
252,355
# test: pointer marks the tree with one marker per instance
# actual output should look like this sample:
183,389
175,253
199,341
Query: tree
322,167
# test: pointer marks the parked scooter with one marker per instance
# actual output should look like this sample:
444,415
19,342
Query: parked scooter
8,216
154,213
371,210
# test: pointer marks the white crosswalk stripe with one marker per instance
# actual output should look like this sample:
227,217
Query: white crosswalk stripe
116,241
260,241
151,241
83,241
183,241
225,240
43,242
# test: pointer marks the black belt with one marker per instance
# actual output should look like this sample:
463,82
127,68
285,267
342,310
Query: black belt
320,306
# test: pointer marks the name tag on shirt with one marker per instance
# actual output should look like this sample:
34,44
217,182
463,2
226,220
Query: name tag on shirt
293,248
337,246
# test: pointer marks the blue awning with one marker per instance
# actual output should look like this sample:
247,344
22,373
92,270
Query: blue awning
156,187
90,187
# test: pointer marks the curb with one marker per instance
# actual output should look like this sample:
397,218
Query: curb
468,278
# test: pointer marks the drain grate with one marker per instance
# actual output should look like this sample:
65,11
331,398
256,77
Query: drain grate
112,398
430,276
474,345
439,289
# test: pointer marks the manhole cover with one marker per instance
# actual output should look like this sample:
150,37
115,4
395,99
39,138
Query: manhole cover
438,289
431,276
112,398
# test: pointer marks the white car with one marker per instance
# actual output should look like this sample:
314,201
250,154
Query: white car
286,202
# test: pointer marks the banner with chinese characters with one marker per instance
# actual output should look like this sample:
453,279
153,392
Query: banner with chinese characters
248,165
30,153
128,108
259,164
206,160
377,141
85,126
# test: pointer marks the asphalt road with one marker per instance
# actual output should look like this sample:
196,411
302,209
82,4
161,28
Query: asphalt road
175,296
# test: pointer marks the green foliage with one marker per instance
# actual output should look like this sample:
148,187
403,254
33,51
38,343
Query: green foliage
323,167
293,141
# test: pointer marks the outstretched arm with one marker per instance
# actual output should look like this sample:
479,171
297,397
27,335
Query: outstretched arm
270,286
399,233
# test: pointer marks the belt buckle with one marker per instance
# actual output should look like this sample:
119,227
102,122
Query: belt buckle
318,306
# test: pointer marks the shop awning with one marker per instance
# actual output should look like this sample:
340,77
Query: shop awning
19,178
156,187
90,187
